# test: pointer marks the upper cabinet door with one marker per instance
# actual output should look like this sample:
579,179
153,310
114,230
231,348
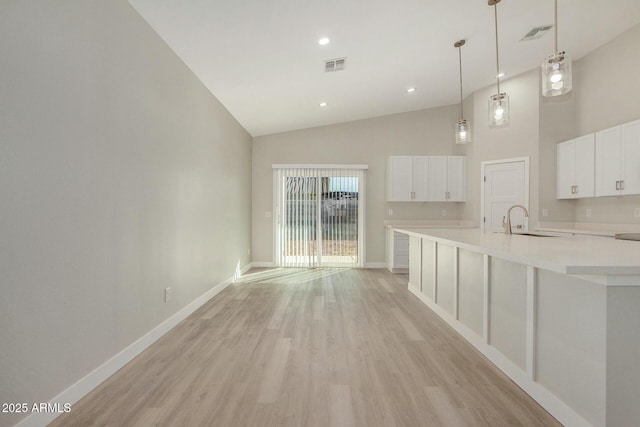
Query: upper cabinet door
400,179
437,181
566,170
630,158
426,179
420,178
585,166
608,162
457,181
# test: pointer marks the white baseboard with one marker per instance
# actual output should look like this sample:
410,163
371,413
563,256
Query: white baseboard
375,265
268,264
86,384
261,264
556,407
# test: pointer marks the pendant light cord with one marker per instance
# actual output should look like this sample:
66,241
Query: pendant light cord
460,62
495,10
555,24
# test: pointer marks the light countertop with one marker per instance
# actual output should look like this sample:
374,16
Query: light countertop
421,223
582,255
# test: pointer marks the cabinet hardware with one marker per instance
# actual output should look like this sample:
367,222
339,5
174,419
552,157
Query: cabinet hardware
617,185
622,184
576,190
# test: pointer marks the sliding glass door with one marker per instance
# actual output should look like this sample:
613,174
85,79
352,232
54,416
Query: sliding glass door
319,217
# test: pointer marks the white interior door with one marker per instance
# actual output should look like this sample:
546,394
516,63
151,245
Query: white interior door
505,184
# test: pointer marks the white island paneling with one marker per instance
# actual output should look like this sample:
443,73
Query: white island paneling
559,315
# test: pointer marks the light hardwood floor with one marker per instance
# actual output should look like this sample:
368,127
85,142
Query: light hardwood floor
322,347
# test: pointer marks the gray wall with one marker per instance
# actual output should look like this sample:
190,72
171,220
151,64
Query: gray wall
606,90
519,139
608,94
369,142
120,175
557,124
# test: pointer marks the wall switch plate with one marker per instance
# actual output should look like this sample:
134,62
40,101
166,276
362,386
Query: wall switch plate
167,294
636,212
249,251
588,212
545,212
390,212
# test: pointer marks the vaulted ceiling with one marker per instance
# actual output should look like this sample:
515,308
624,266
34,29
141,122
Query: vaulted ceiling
262,60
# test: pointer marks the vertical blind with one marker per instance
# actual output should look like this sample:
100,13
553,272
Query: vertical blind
319,215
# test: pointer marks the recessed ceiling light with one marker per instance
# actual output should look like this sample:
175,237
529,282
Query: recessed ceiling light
411,90
499,76
323,104
323,41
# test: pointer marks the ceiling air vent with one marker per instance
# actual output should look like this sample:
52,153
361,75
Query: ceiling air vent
536,33
337,64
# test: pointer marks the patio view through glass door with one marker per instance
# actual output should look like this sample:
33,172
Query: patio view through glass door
319,216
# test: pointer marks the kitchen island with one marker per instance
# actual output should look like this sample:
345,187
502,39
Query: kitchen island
559,315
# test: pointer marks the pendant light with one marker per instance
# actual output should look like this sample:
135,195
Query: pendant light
463,127
498,103
556,68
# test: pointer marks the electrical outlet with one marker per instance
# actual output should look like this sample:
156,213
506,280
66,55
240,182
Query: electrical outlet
390,212
167,294
444,212
545,212
588,212
636,212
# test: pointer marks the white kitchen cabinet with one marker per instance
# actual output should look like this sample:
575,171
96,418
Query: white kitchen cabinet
631,158
446,179
407,179
575,177
420,190
617,163
397,251
426,179
457,178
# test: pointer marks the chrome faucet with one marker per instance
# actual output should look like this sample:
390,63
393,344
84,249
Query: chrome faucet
507,224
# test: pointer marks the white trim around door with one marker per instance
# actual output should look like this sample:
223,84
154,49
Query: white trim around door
483,183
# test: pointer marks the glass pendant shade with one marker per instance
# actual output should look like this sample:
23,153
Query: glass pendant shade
463,127
498,110
556,68
498,103
556,74
463,132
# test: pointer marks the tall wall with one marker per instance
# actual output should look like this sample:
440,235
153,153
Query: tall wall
518,139
606,90
557,123
607,94
369,142
120,175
